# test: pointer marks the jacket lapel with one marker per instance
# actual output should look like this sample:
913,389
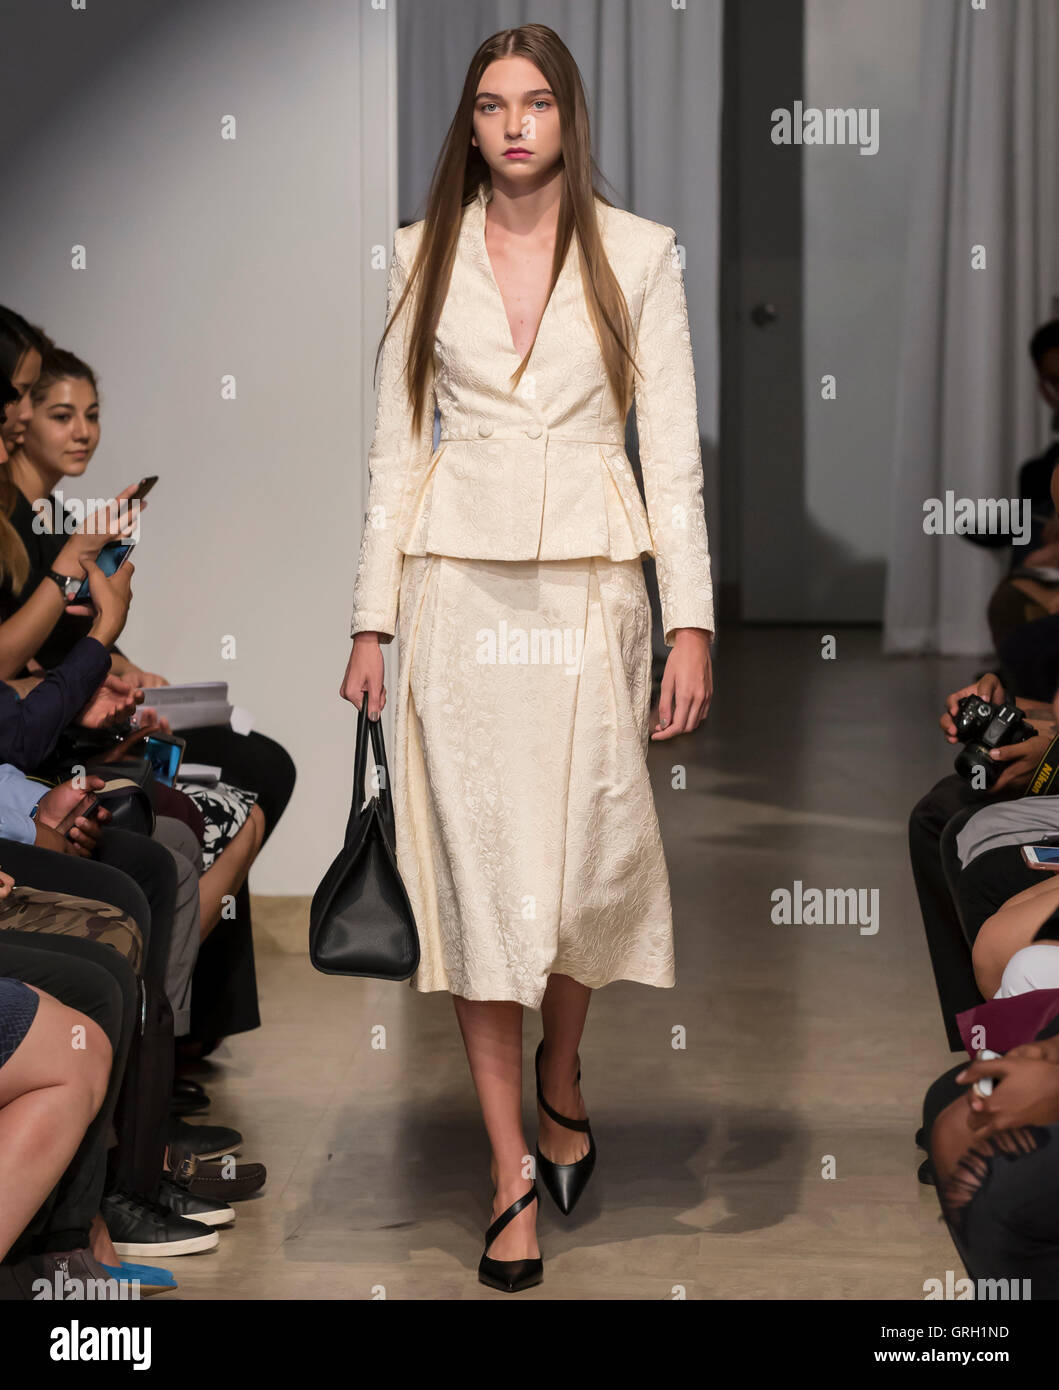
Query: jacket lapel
566,286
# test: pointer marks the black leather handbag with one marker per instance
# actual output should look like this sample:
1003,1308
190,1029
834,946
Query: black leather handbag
361,922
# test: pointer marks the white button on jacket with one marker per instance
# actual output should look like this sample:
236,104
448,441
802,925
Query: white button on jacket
540,472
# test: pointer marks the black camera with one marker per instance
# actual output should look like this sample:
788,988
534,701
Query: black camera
981,727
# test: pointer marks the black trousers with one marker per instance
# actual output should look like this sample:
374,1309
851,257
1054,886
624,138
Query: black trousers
93,978
950,951
224,986
988,882
135,874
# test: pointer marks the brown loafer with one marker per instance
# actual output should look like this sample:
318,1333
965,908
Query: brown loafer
221,1182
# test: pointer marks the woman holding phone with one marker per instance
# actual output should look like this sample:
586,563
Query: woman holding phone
532,312
58,438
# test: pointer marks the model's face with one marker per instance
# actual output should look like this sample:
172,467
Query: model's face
64,430
515,109
18,414
1048,377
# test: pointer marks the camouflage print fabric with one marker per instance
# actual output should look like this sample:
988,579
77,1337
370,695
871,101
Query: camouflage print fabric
32,909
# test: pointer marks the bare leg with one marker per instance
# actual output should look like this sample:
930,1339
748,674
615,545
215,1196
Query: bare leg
492,1035
228,871
100,1243
50,1091
563,1012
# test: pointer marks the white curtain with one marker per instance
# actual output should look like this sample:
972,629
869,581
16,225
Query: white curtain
967,410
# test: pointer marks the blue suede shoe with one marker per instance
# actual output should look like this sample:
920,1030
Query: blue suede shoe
152,1279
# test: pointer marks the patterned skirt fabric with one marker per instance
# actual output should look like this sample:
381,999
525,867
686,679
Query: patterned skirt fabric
18,1009
527,836
224,809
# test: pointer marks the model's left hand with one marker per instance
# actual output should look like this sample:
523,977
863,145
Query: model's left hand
687,684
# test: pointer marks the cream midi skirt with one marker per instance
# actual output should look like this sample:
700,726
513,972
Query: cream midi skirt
527,836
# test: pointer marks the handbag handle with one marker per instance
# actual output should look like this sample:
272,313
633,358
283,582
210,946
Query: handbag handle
372,727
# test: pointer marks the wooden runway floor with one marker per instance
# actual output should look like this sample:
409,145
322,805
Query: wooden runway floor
805,1049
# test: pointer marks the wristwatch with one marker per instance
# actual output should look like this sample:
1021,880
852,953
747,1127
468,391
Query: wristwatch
68,585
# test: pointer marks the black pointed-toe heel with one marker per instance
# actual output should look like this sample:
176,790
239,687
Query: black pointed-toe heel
510,1276
565,1181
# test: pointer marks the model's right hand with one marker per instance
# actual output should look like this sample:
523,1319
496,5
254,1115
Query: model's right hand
364,673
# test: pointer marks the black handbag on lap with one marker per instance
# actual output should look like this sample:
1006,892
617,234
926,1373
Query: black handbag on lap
361,922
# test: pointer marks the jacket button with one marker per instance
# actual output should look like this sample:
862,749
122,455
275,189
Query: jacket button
534,431
484,428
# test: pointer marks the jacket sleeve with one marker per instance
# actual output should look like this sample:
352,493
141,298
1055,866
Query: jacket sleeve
30,727
392,460
670,455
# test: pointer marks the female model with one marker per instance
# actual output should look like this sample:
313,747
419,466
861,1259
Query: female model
526,832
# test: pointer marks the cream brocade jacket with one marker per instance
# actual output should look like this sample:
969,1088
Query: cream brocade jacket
541,472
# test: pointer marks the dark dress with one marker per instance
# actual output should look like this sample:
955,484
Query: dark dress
18,1009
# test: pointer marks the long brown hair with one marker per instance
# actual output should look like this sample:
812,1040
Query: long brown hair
458,173
21,337
57,364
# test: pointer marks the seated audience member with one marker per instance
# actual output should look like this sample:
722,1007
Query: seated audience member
186,1141
51,1097
257,773
74,955
995,1160
934,825
1021,600
1014,949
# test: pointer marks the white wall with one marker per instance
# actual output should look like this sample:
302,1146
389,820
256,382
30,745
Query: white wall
207,257
858,53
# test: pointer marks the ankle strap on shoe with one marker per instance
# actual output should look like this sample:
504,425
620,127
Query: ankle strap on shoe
519,1204
580,1125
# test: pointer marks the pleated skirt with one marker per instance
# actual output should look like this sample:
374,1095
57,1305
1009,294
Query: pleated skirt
527,835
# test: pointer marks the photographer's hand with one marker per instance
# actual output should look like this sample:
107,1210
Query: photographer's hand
1019,760
990,688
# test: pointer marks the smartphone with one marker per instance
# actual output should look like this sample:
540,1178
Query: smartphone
110,559
1041,856
144,488
88,806
984,1085
164,753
